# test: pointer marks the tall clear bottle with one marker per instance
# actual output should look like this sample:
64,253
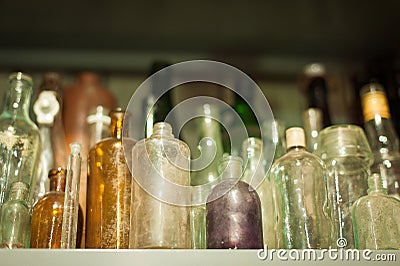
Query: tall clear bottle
348,157
160,213
382,137
255,170
46,108
299,182
233,211
109,191
47,213
19,136
15,218
376,218
312,121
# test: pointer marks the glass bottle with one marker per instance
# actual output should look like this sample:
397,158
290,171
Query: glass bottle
47,213
299,181
382,137
233,211
312,121
204,170
71,201
46,108
19,136
99,126
376,218
15,219
160,211
255,170
317,90
109,191
348,157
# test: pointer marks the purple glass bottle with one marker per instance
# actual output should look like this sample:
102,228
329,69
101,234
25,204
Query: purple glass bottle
233,211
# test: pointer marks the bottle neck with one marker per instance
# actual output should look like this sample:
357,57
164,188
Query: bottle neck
18,191
375,185
296,148
162,129
381,134
254,162
57,183
117,118
231,167
18,99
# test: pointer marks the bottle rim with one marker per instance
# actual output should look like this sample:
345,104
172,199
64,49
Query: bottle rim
21,76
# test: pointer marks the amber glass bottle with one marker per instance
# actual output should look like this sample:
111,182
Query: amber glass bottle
47,213
108,191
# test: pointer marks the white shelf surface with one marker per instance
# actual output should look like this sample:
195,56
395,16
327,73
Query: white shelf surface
44,257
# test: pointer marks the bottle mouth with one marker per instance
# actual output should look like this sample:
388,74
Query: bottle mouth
342,141
21,77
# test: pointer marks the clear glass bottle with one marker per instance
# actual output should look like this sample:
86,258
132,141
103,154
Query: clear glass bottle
19,136
233,211
255,170
348,157
160,213
312,121
99,126
108,191
300,186
15,219
47,213
46,108
376,218
382,136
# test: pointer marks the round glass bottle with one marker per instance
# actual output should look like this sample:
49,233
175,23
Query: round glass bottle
233,211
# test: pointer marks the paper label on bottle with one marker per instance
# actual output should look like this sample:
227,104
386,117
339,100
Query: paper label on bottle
375,103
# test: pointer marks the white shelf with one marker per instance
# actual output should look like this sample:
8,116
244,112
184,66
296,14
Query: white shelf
43,257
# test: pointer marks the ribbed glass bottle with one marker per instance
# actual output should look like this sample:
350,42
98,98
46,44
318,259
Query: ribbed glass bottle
160,210
382,137
376,218
301,195
108,191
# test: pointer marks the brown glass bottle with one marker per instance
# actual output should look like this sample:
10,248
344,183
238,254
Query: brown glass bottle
47,213
108,191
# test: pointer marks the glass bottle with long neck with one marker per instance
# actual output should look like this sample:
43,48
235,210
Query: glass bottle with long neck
382,137
160,213
376,218
109,191
46,108
19,136
255,170
301,194
47,213
15,218
312,121
233,211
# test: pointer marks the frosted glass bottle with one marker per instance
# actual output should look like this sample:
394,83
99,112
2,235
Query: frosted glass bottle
19,136
376,218
47,213
300,186
382,137
233,211
347,156
108,191
15,218
255,170
158,222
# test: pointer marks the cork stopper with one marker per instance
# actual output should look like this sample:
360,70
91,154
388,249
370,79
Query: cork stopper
295,137
374,101
57,179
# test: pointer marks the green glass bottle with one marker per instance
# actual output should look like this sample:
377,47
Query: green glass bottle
376,218
15,219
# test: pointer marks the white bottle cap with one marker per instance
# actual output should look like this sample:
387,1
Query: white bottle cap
295,137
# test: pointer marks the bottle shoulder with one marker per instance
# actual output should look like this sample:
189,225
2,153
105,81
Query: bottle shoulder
377,200
298,157
52,199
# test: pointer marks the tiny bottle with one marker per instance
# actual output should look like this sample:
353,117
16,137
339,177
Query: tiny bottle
376,218
382,137
233,211
47,213
299,181
15,219
348,158
19,136
160,211
108,191
255,171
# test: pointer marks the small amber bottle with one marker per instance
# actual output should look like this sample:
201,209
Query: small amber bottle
47,213
108,191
